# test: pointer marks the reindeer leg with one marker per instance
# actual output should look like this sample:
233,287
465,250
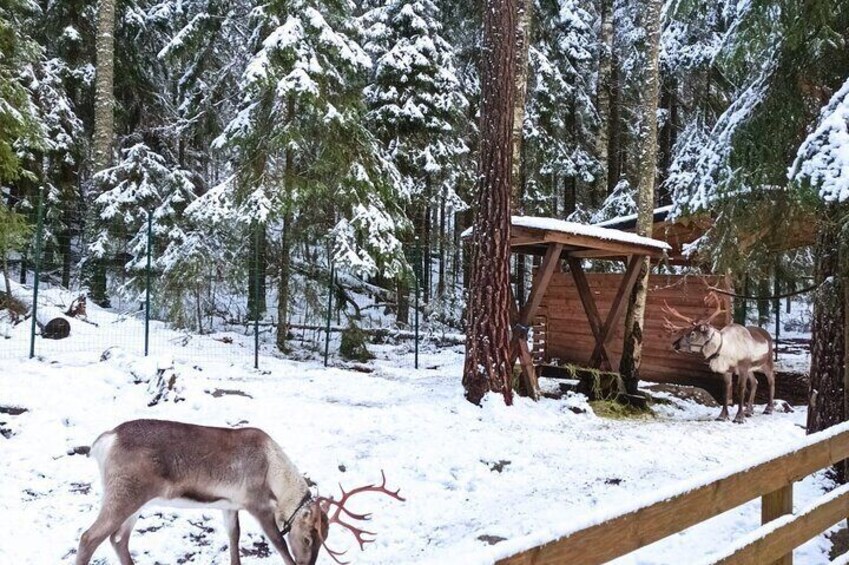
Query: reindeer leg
231,521
753,384
265,517
113,514
770,378
121,540
724,414
742,377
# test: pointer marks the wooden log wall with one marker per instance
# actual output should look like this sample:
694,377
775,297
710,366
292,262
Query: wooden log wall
568,336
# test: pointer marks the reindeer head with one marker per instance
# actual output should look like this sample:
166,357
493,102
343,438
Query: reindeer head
694,334
310,528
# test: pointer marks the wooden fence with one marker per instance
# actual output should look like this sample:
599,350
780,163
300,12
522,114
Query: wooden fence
771,480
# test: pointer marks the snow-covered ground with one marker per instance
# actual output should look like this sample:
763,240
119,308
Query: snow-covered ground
468,473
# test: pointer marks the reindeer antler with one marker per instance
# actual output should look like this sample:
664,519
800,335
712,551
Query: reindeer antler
336,517
669,325
713,297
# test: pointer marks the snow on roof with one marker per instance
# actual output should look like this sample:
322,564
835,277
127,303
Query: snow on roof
574,228
662,211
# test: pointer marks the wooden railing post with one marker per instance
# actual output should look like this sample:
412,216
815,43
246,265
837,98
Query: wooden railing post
774,505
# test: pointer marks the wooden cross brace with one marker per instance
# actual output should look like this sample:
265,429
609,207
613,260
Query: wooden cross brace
600,358
522,319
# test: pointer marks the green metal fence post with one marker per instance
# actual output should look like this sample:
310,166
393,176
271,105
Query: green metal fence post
256,295
329,312
147,284
37,270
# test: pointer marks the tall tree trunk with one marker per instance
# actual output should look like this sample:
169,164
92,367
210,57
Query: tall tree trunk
440,286
104,121
614,143
285,266
632,350
828,331
525,12
487,366
601,186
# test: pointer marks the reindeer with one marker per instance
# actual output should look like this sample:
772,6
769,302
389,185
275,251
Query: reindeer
147,462
733,349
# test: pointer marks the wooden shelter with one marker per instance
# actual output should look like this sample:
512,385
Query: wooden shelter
558,241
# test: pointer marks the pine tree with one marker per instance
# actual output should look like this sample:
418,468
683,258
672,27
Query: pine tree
487,366
301,94
415,105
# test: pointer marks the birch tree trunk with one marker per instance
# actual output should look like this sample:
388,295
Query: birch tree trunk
632,349
602,183
104,122
104,94
487,366
525,10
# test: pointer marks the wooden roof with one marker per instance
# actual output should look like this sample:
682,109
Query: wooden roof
532,235
798,229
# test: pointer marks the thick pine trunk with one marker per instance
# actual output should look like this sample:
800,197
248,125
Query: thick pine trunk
632,350
487,366
828,339
602,185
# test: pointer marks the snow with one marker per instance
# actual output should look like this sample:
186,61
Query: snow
528,473
574,228
823,158
631,217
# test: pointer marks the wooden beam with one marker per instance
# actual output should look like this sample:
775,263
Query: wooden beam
528,375
595,243
587,299
605,541
618,306
550,264
778,542
775,505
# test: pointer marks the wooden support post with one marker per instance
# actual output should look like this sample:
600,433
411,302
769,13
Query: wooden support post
590,308
774,505
617,308
522,319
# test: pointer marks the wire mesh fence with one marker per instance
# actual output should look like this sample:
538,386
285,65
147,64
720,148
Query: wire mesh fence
65,303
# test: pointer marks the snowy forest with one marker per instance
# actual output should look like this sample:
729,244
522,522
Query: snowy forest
352,170
223,119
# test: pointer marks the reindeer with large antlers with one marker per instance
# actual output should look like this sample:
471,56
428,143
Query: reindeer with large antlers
733,349
148,462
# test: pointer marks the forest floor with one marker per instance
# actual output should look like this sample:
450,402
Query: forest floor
471,475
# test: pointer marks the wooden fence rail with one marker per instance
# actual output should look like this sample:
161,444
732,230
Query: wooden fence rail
770,480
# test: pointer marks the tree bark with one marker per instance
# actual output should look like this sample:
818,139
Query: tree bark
487,366
104,121
104,95
285,266
602,185
828,331
525,12
440,285
633,345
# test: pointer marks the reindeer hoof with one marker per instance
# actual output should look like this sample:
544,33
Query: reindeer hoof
768,410
722,418
739,420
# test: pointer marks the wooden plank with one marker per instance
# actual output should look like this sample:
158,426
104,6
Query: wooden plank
543,276
775,505
613,538
616,248
590,308
528,377
616,309
783,539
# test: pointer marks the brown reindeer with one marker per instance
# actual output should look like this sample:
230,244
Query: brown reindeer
146,462
733,349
